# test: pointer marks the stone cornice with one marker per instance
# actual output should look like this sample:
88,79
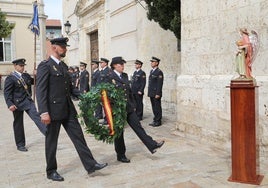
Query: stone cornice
17,14
133,3
81,8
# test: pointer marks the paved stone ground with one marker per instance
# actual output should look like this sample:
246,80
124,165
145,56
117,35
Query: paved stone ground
181,163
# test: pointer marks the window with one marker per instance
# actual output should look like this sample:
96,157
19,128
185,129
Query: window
5,49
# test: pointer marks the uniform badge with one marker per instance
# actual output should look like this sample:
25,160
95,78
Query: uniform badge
86,75
18,82
55,68
160,76
113,81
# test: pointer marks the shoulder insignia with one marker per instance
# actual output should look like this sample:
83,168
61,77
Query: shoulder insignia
86,75
143,76
55,68
160,76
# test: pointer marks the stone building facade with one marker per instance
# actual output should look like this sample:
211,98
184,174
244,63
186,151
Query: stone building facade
209,32
195,83
21,41
120,28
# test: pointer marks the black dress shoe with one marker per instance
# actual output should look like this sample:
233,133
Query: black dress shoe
99,166
123,159
55,176
158,145
22,148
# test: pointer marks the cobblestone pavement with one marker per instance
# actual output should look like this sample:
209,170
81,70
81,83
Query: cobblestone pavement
180,163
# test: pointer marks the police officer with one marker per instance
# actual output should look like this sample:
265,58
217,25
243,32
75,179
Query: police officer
104,71
104,76
56,109
155,91
17,93
95,74
137,87
120,80
84,78
76,77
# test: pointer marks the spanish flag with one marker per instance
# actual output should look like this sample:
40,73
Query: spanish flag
108,111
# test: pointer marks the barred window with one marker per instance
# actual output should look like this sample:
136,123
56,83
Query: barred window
5,49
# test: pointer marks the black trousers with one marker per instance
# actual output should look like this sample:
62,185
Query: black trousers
157,109
18,125
139,105
134,123
98,112
74,131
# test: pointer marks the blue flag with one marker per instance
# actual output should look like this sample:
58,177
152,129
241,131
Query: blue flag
34,25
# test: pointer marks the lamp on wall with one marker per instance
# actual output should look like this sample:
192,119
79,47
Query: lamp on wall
67,28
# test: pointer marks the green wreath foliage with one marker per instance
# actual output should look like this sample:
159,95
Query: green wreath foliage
88,104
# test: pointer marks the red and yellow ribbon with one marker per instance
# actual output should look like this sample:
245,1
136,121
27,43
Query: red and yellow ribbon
108,111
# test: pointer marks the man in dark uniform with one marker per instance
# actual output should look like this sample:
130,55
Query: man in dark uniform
95,74
105,71
137,87
120,80
84,78
104,76
155,91
76,77
17,93
56,109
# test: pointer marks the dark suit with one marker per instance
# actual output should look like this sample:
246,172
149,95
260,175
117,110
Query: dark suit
132,117
94,79
53,96
84,81
104,78
155,88
15,94
104,75
138,85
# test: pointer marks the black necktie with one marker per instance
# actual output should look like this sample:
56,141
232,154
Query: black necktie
61,66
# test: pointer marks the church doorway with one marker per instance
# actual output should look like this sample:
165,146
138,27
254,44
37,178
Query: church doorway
94,45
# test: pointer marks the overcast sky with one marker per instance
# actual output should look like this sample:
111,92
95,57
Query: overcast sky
53,9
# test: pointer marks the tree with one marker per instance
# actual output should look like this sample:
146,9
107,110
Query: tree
167,13
5,26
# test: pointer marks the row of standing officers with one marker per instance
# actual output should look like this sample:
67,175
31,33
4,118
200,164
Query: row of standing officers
101,72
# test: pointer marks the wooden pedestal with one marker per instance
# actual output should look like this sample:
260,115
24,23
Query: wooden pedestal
244,119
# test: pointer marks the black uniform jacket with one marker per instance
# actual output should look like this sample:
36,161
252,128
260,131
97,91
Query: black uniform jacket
124,84
156,79
15,93
138,82
94,77
84,81
53,90
104,75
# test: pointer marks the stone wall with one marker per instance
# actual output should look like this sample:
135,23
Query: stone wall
209,32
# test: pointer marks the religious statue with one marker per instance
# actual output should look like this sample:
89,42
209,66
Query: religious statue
247,48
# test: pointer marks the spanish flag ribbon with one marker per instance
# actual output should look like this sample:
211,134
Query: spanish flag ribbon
107,110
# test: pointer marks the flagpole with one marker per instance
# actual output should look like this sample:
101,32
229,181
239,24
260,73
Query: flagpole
34,67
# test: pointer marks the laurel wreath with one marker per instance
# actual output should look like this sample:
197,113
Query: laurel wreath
88,104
